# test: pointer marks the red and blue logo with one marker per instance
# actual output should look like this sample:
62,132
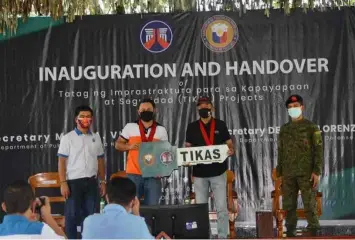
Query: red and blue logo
156,36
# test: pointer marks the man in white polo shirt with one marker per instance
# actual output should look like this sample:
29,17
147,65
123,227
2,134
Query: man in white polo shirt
81,162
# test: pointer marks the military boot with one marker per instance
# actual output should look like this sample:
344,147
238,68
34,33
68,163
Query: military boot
291,232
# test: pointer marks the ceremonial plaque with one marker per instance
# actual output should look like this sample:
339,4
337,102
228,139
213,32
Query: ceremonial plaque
202,155
157,159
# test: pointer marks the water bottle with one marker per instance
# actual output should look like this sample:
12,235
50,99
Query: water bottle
102,205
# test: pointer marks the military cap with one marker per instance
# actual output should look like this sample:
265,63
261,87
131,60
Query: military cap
203,99
294,98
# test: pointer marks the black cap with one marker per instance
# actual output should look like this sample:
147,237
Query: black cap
204,99
294,98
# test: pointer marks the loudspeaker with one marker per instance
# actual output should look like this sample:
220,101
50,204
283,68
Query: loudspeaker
264,224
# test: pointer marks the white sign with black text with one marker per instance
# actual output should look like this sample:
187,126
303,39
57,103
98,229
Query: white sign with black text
202,155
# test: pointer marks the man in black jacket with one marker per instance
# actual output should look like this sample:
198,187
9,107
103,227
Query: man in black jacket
204,132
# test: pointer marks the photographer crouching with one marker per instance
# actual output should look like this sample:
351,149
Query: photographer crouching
22,210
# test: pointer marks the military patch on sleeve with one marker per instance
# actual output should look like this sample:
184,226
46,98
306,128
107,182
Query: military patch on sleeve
317,137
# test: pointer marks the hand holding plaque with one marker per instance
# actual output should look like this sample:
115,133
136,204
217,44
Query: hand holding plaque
157,159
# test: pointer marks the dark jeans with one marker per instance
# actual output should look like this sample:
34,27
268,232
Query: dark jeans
82,202
149,188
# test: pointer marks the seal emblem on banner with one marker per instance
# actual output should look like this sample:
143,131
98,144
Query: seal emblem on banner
166,158
148,159
219,33
156,36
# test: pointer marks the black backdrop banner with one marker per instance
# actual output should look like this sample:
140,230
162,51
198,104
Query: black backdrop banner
249,65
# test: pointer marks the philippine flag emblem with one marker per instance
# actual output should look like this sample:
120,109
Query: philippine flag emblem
156,36
219,33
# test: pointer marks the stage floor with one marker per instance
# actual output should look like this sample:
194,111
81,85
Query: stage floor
329,228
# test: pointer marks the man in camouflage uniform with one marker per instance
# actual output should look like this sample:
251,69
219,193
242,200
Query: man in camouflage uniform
300,158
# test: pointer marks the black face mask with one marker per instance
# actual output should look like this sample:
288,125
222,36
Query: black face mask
204,112
146,116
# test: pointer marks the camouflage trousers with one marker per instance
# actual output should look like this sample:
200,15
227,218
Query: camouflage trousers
290,188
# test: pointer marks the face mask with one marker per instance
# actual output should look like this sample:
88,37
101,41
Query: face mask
146,116
295,112
84,122
204,112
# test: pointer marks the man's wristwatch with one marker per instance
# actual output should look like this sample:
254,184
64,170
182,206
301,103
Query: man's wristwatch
103,181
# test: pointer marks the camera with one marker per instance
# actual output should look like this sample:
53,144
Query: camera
38,206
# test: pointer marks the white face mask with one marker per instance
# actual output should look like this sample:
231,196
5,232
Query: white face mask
295,112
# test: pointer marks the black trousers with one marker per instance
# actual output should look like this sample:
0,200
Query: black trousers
82,202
